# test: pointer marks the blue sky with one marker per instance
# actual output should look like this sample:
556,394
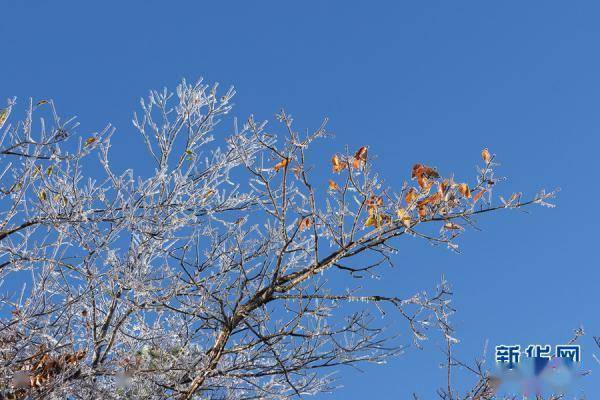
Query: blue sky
432,81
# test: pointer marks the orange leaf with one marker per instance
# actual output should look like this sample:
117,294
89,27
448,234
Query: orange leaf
90,140
281,164
305,223
338,165
478,195
411,195
333,185
420,170
464,190
433,199
361,154
415,171
360,158
485,154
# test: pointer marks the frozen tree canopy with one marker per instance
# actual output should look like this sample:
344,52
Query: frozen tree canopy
210,277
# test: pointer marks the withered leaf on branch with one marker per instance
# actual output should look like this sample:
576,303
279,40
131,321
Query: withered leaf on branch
3,116
281,164
452,226
333,186
377,220
410,196
464,190
338,164
360,158
404,217
478,195
433,199
485,154
424,171
305,223
89,141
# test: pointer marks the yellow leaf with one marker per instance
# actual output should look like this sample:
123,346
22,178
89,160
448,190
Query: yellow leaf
89,141
3,116
49,170
42,195
371,221
377,220
404,217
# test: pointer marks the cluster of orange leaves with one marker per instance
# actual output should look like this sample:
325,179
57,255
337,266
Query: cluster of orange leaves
357,161
376,218
419,198
339,163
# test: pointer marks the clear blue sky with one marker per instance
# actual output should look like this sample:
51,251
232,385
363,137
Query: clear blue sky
431,81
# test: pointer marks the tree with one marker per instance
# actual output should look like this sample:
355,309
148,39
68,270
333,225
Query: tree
210,277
